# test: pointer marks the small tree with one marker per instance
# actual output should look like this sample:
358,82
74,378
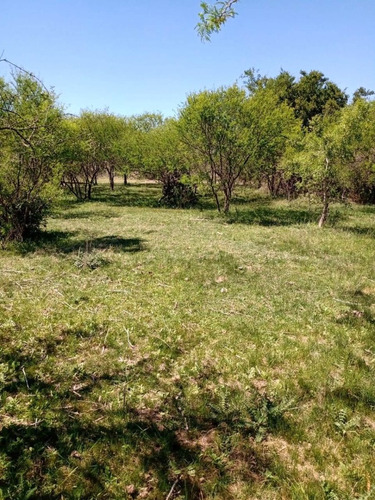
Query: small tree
109,133
214,126
322,160
80,165
29,139
164,158
357,127
272,126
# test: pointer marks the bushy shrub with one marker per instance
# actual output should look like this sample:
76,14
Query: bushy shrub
177,190
29,139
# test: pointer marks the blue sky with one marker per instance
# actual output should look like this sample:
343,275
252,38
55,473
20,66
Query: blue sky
132,56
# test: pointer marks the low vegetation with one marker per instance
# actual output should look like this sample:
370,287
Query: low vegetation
166,353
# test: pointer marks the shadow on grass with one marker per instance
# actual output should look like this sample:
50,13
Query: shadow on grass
268,216
360,310
273,216
368,232
70,444
67,242
134,195
43,454
84,214
40,453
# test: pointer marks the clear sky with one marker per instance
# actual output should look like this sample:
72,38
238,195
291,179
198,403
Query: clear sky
132,56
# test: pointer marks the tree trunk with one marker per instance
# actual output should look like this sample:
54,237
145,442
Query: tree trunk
125,180
111,174
212,185
227,199
324,216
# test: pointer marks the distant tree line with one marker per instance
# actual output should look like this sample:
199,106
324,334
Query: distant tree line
291,136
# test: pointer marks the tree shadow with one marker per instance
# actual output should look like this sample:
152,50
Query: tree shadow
271,216
145,195
62,438
67,242
360,311
166,456
368,232
276,216
84,214
67,434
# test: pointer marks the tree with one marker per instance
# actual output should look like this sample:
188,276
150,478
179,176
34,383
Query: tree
79,159
164,158
212,17
357,127
323,158
312,95
108,132
30,122
272,127
214,126
362,93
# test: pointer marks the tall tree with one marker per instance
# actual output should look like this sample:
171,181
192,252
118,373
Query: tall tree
312,95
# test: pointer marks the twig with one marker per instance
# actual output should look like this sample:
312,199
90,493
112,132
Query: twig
162,340
20,68
128,335
346,302
24,374
163,284
171,490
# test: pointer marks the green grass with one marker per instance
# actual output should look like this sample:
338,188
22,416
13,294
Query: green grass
149,351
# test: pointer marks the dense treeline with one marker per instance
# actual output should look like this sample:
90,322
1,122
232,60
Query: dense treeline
292,136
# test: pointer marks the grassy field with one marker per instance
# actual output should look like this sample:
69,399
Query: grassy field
175,354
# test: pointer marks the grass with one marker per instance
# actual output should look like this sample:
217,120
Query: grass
148,352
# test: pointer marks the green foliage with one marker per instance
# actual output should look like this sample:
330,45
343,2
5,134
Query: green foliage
29,138
311,96
212,17
357,127
94,143
273,129
314,95
337,156
214,126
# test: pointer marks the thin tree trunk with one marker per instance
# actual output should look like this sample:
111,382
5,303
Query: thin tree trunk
111,174
324,216
227,196
125,180
212,184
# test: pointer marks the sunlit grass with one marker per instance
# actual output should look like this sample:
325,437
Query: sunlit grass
148,351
